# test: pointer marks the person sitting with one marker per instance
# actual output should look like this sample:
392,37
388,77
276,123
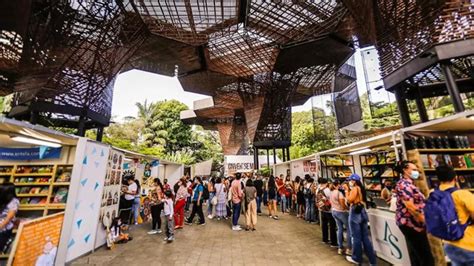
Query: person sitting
117,231
460,252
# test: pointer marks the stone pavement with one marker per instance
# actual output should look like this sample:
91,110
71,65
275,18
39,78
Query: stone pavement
289,241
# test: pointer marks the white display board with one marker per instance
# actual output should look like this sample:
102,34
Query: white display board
83,205
111,195
388,240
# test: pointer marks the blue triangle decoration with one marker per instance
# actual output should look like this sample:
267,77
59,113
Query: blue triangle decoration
94,151
42,151
102,154
96,185
92,205
96,164
79,222
71,243
76,206
86,238
84,161
84,181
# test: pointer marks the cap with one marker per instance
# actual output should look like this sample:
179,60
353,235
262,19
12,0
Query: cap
354,177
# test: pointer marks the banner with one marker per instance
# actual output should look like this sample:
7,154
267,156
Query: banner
244,163
23,154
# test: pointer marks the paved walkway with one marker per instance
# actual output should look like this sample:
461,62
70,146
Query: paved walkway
289,241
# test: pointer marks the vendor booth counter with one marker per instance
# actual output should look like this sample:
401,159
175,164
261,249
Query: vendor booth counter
448,140
75,182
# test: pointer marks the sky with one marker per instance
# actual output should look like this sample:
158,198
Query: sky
137,86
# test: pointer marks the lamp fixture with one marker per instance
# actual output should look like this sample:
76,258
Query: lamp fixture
366,150
35,141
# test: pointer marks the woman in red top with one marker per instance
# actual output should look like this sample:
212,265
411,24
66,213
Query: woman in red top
282,193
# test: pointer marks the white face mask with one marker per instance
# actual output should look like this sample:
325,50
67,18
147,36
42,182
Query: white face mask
415,175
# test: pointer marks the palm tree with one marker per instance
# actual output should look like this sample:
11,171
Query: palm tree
145,111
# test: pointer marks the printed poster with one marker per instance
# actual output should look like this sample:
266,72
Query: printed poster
111,194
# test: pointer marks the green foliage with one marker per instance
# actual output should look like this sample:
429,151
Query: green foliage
308,137
264,171
159,131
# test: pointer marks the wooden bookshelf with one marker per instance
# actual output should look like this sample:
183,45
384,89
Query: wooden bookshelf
54,183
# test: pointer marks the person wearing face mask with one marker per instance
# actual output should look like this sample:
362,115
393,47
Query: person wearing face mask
386,193
409,214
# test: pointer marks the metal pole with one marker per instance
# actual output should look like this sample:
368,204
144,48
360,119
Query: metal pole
100,134
420,105
283,154
274,156
402,107
256,159
452,88
288,153
268,158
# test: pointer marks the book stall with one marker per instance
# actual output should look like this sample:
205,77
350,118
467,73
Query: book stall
68,188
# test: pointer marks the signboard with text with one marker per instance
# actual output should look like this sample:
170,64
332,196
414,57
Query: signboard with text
25,154
388,240
244,163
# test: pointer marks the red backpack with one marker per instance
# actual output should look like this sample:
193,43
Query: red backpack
323,203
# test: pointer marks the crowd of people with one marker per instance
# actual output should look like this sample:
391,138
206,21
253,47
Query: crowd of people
339,205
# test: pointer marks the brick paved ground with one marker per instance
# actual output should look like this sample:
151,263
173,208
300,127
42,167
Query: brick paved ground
289,241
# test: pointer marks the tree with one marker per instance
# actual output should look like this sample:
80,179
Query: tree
165,127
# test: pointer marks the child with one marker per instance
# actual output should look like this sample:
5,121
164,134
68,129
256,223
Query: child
169,211
117,231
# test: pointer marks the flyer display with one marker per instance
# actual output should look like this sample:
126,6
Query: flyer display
112,184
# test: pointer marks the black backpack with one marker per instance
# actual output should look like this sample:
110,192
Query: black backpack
205,193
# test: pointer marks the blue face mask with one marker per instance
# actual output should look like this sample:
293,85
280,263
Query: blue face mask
415,175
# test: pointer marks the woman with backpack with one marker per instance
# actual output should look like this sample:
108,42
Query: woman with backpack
197,199
272,197
156,207
328,224
358,222
409,215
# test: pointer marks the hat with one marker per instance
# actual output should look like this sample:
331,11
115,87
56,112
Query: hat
354,177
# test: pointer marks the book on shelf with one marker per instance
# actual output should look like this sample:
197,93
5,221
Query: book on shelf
388,173
60,195
457,161
425,161
34,169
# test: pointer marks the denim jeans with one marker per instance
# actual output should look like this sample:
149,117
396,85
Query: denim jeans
259,203
342,220
459,256
309,213
209,204
283,203
235,213
358,223
136,209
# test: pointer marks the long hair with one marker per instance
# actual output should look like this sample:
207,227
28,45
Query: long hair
362,189
271,182
158,182
7,194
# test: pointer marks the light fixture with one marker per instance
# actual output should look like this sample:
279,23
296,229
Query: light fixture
360,151
359,148
397,146
35,141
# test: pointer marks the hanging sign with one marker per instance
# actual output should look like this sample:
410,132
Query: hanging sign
23,154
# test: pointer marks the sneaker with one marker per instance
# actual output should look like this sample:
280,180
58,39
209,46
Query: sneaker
203,223
152,232
218,218
236,228
339,251
170,239
349,252
165,239
187,222
159,231
275,217
349,259
209,217
334,246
